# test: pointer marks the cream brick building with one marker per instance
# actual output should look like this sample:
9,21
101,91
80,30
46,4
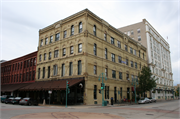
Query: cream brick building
158,55
82,46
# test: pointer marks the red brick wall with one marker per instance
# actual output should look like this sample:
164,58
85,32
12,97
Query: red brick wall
19,70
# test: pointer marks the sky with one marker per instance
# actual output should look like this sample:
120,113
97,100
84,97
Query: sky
20,21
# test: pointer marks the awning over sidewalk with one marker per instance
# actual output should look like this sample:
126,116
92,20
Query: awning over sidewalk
13,87
51,85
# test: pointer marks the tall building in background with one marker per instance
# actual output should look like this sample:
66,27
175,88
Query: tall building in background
158,55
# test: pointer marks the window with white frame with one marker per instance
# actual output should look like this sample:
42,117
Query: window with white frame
56,52
71,50
72,30
49,55
57,36
55,70
138,30
51,39
64,51
65,33
41,42
113,57
139,38
80,47
134,52
119,44
63,70
40,57
80,27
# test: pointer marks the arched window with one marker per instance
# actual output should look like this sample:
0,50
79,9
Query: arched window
94,30
80,27
72,30
95,49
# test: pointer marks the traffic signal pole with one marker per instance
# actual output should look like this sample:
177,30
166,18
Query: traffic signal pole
67,90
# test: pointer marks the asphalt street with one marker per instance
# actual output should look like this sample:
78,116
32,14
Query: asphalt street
160,110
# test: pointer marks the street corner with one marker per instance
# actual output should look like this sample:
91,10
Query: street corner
68,115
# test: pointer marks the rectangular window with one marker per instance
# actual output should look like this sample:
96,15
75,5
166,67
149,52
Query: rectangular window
112,40
71,50
43,72
51,39
79,67
63,70
39,57
119,59
39,73
106,72
139,53
127,62
80,47
41,43
64,51
95,69
138,30
55,70
105,37
113,57
134,52
132,32
49,55
120,75
113,74
125,46
119,44
136,65
106,92
46,41
131,50
139,38
34,61
127,76
56,52
70,68
33,75
65,33
49,71
106,57
44,56
57,36
95,91
132,64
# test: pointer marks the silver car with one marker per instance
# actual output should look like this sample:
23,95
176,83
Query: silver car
143,101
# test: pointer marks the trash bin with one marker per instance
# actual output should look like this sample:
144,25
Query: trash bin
111,100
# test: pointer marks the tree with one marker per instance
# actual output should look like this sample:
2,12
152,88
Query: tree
146,81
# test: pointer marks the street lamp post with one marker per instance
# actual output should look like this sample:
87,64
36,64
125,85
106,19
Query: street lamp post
102,76
134,83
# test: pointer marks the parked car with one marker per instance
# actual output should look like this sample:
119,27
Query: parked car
4,97
28,101
16,100
143,100
8,100
152,99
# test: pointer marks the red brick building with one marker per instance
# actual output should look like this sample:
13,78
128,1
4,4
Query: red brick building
17,72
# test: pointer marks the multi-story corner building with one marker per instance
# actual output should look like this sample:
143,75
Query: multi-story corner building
78,49
17,73
158,55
